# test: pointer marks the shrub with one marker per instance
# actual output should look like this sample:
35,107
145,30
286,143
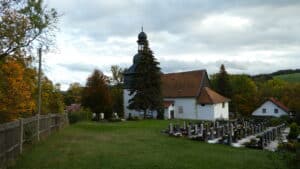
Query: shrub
81,115
294,131
276,121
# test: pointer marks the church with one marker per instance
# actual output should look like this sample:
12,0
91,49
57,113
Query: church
186,95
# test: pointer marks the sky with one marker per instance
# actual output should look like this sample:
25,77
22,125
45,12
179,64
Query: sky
249,36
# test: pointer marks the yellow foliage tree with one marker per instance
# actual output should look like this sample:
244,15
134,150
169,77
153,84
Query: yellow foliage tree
16,99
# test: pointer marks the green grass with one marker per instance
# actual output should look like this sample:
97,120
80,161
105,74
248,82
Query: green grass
293,77
130,145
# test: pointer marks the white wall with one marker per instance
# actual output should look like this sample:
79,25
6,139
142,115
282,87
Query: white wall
220,111
188,106
134,113
205,112
269,106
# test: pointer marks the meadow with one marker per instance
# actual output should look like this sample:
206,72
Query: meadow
136,144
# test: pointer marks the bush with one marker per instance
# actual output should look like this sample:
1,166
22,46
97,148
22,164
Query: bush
276,121
81,115
294,131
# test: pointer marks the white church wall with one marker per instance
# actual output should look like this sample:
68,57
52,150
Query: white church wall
205,111
221,112
187,105
269,110
133,113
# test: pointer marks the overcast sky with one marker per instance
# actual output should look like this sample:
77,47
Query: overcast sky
252,36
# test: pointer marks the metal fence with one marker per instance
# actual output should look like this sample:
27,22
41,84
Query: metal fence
14,135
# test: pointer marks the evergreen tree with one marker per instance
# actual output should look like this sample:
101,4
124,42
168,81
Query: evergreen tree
146,86
223,82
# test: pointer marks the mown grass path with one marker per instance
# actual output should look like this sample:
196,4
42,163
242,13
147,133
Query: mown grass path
132,145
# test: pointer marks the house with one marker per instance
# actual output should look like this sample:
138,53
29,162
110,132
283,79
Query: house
271,107
187,95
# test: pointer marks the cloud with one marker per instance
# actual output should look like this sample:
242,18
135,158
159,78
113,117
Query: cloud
250,36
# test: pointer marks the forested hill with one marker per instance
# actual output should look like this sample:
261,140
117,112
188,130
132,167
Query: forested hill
290,75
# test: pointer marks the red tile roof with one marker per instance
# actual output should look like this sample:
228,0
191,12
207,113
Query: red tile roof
208,96
182,84
279,104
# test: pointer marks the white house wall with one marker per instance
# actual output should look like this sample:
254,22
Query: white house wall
269,106
220,111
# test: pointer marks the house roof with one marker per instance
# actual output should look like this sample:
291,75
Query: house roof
208,96
182,84
279,104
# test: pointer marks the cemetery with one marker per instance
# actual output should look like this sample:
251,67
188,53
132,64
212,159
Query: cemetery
237,133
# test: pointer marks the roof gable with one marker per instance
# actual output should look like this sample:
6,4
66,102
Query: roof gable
279,104
208,96
182,84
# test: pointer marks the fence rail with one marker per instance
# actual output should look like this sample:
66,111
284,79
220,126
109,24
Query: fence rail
14,134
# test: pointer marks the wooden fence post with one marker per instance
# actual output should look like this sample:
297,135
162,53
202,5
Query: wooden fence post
21,134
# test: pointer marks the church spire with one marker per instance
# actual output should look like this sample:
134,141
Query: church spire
142,40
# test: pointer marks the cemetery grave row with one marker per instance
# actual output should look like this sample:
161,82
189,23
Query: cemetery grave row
249,133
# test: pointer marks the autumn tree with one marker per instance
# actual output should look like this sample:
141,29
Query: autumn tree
23,24
245,97
73,94
96,95
52,99
16,92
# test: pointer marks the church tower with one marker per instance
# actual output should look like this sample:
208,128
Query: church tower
129,73
142,46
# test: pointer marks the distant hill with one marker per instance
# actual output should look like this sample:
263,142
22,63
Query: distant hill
289,75
293,77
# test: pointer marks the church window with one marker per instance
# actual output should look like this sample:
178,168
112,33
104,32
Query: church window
180,109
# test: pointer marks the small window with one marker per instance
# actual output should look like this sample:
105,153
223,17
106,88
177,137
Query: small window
180,109
264,110
275,110
223,105
202,104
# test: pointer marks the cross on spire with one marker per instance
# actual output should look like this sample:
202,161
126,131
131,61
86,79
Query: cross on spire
142,29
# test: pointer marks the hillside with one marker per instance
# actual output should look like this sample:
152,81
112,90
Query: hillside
289,75
293,77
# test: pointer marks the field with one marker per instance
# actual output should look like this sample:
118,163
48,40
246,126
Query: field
293,77
130,145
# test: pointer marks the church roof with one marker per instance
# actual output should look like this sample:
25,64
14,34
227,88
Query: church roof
182,84
208,96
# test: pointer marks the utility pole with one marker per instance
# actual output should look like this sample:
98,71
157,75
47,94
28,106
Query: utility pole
40,93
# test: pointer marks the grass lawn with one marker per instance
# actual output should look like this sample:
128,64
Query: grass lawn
131,145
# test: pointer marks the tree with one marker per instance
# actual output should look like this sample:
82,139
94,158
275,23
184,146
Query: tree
117,74
52,99
222,82
146,86
244,95
16,93
24,22
73,94
96,94
117,90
